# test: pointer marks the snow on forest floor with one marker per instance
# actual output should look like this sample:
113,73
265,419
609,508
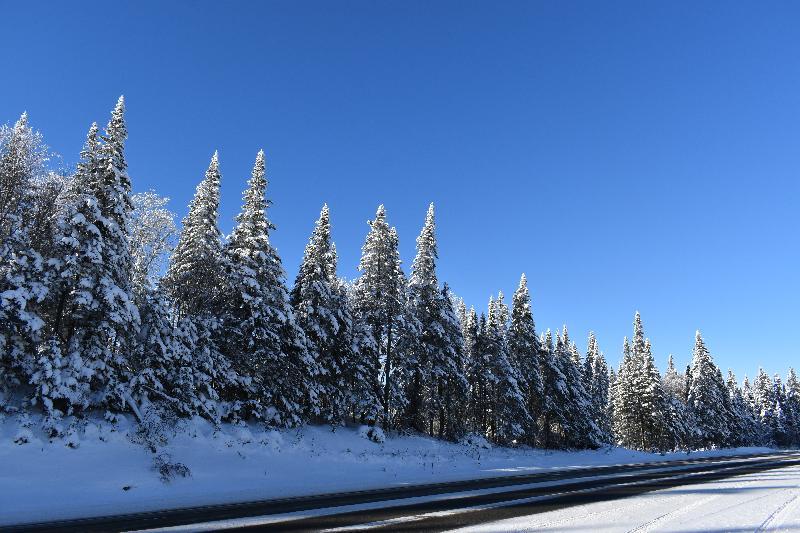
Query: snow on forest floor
765,501
100,471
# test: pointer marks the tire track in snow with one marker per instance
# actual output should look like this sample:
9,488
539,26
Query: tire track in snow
666,517
561,521
779,515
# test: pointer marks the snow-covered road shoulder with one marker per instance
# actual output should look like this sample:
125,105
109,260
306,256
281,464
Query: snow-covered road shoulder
100,471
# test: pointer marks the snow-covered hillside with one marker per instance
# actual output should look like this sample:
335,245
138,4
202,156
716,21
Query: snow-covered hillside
102,469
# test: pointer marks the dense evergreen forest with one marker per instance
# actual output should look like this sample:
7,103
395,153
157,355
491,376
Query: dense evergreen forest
100,313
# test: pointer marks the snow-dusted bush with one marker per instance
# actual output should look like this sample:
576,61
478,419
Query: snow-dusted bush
373,433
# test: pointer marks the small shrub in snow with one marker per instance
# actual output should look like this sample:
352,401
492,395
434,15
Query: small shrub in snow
473,440
71,439
168,470
373,433
23,436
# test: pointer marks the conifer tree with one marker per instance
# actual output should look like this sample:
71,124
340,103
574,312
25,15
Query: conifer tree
423,301
708,398
94,314
640,402
764,401
581,430
508,416
22,158
477,372
380,302
320,306
264,341
555,396
524,353
745,431
597,386
195,282
435,374
793,408
194,279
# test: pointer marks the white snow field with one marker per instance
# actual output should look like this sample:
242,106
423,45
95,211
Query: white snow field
766,501
99,471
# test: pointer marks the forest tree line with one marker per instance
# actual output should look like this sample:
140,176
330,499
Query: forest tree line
100,312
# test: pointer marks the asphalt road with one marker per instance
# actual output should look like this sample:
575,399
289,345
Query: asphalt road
466,502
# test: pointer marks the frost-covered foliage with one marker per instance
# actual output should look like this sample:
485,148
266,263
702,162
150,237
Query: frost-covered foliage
153,233
88,323
380,301
261,336
436,386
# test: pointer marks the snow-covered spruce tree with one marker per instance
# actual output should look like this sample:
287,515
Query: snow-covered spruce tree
581,432
596,383
708,399
508,416
779,418
524,352
477,371
764,405
194,279
746,431
793,407
23,155
555,396
423,299
449,375
92,309
674,381
60,377
436,381
363,390
379,300
320,305
640,403
679,417
264,341
195,284
22,159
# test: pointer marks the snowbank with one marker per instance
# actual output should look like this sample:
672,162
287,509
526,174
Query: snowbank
100,471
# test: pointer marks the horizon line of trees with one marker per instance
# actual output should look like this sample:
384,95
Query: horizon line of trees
87,322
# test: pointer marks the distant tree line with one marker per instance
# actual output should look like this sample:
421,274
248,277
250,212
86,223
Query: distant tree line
88,322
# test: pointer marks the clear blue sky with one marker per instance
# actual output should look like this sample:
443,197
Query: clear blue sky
640,155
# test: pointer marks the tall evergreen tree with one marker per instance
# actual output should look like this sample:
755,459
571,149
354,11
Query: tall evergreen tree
508,416
555,396
195,277
265,343
435,374
524,353
94,312
195,282
597,386
708,398
320,305
640,402
793,408
380,302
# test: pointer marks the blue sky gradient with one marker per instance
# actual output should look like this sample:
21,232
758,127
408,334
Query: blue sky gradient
624,155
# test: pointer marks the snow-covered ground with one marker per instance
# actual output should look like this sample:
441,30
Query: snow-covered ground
103,472
766,501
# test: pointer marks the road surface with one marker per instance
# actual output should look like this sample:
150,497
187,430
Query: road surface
443,506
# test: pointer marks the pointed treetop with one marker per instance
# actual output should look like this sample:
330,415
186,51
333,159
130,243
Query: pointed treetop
523,281
22,121
381,212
